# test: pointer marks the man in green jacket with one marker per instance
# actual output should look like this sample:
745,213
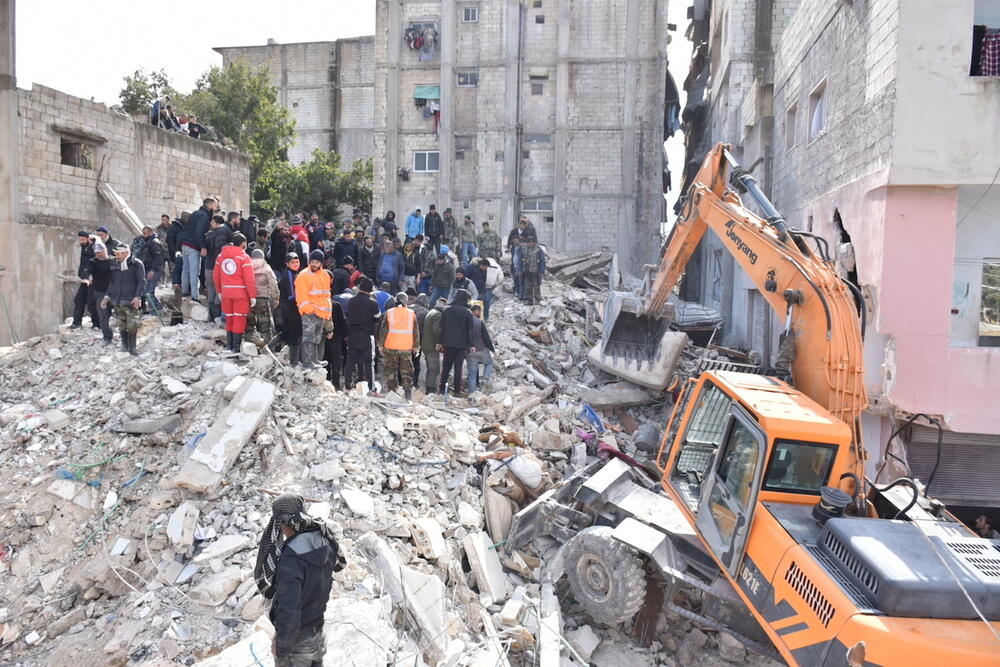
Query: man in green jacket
429,338
466,241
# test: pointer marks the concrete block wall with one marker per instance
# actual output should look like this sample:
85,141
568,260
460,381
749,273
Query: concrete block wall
155,171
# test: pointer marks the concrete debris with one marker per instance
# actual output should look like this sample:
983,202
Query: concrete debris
653,374
139,494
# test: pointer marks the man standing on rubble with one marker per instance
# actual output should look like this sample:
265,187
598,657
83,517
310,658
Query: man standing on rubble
398,340
532,266
362,316
442,277
128,280
234,280
289,318
430,336
84,299
296,559
456,340
312,293
433,228
260,329
192,240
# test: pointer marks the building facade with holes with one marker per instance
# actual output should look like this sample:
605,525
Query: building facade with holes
551,109
328,87
878,127
64,146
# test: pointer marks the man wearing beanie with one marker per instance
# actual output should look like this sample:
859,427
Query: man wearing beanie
362,316
233,276
398,340
84,299
260,328
312,293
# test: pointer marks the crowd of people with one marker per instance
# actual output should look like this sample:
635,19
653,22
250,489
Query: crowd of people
357,297
161,114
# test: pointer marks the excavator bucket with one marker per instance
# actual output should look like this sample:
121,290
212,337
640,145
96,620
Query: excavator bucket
631,334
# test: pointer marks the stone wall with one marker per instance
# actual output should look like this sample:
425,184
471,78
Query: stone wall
155,171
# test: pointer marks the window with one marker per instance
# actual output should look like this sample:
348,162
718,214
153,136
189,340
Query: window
498,156
76,154
424,161
537,138
790,116
537,4
817,111
459,155
468,78
799,467
989,310
739,462
466,205
537,88
470,14
539,18
465,142
536,204
525,155
985,38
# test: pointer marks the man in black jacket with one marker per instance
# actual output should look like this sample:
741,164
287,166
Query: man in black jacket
289,321
100,281
128,280
192,238
296,559
433,229
362,318
84,299
456,340
219,236
147,249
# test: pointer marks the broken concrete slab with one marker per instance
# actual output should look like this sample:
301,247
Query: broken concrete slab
486,567
549,628
215,588
584,641
56,419
165,424
217,451
426,596
653,374
224,547
346,644
256,642
79,494
358,501
173,386
181,526
233,386
428,538
617,395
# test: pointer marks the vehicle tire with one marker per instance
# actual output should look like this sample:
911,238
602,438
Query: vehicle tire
605,576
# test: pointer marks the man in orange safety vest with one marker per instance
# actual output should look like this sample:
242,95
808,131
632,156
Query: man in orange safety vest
398,340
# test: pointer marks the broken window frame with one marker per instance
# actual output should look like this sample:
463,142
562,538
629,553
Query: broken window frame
426,155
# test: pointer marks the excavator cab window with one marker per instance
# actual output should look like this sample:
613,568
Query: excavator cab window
701,440
799,467
730,489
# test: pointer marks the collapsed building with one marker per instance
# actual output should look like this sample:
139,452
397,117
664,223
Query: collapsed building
55,150
826,98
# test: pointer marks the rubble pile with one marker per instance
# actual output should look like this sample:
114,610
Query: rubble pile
134,491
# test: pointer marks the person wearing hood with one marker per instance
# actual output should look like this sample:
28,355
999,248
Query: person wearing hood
430,336
84,299
124,295
296,559
289,319
328,243
411,263
100,281
362,317
483,345
461,282
389,225
442,277
260,324
414,224
345,247
456,340
368,261
390,267
312,293
234,280
399,340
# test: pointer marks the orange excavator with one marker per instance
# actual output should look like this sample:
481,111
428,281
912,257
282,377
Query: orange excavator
757,497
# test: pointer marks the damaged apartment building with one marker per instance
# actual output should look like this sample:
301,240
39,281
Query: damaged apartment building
328,87
551,109
55,149
876,126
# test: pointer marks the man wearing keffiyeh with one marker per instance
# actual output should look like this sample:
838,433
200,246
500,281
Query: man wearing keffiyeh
296,559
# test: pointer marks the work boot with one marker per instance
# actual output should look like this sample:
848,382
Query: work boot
237,343
229,341
294,354
132,336
408,394
124,335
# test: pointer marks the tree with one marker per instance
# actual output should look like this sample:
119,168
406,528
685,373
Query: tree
242,106
142,88
317,185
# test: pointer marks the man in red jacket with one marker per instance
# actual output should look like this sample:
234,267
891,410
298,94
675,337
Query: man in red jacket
234,280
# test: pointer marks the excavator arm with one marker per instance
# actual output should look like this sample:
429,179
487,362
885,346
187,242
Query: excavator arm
822,342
